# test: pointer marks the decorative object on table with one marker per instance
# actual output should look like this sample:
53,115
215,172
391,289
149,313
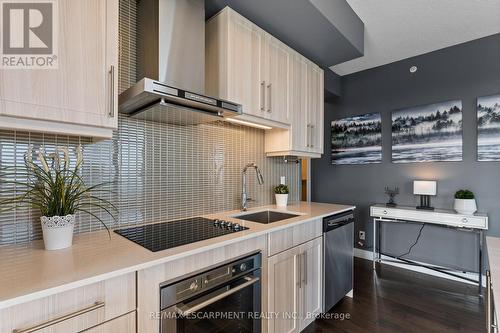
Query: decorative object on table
357,140
465,203
392,194
54,186
281,192
428,133
488,128
425,188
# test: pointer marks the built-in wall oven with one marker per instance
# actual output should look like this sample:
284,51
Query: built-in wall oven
223,299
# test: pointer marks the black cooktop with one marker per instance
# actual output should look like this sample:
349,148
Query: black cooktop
162,236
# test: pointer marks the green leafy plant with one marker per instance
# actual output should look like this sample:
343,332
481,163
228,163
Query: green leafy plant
464,194
53,186
281,189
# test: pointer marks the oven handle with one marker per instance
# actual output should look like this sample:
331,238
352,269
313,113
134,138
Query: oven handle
184,311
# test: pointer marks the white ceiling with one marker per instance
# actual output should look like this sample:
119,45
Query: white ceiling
399,29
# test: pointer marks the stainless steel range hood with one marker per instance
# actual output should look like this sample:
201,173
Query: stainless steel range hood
171,63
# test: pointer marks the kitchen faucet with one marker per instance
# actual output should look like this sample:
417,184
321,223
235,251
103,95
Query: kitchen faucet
260,179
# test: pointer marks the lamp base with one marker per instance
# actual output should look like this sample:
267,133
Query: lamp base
425,203
425,208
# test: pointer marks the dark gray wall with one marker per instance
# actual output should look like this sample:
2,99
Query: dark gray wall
464,72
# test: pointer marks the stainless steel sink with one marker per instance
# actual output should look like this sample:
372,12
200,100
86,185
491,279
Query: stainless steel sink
265,216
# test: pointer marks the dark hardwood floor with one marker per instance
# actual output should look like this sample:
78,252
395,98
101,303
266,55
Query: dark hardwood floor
399,300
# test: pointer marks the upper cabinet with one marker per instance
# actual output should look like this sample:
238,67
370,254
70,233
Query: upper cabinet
315,108
277,86
274,70
244,64
79,97
306,105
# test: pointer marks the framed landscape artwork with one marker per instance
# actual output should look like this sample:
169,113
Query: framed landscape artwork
428,133
357,139
488,128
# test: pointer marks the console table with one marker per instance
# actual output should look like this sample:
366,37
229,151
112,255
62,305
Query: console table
476,223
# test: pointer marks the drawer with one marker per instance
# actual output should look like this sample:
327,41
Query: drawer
123,324
74,310
285,239
436,217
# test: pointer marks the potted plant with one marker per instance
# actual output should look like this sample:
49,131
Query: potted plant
281,192
465,202
55,188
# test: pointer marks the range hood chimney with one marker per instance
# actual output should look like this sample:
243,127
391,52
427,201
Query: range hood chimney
171,63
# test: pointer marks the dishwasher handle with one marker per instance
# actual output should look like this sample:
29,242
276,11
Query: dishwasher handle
337,221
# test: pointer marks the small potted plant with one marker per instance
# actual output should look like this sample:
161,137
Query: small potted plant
281,192
55,188
465,203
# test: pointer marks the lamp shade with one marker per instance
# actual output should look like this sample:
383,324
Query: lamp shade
425,187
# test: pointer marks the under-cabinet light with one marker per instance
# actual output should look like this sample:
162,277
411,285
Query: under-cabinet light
247,123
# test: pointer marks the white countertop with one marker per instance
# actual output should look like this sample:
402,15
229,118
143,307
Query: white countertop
493,247
29,272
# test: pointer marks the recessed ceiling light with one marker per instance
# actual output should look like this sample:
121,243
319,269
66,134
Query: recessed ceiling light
413,69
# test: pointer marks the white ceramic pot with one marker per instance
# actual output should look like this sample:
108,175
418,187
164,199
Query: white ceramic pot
465,206
281,200
58,231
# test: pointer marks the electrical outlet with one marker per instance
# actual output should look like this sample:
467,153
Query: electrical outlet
362,235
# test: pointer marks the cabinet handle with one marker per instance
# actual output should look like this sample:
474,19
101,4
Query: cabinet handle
95,306
112,91
263,96
307,135
299,270
269,105
305,268
312,136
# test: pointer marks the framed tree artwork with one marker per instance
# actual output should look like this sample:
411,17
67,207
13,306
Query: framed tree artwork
488,128
428,133
357,140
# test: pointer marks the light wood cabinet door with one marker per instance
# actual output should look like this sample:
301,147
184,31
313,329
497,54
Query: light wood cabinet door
315,106
244,65
284,291
298,102
83,89
312,298
123,324
275,71
295,287
74,310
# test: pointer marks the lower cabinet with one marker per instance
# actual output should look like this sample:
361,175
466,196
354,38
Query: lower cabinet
123,324
98,307
295,278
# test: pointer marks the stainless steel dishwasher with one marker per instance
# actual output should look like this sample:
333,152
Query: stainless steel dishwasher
338,245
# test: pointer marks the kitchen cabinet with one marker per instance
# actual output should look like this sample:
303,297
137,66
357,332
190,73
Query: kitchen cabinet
277,86
74,310
274,71
79,97
245,64
294,293
233,62
123,324
315,107
306,106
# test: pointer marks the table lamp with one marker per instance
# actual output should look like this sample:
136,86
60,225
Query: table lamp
425,188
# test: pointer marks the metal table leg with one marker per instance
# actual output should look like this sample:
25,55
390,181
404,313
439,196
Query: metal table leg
378,242
374,242
480,281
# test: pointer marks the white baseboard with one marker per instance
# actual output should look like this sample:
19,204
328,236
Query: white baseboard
364,254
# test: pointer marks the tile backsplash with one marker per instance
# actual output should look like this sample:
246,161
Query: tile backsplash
159,172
